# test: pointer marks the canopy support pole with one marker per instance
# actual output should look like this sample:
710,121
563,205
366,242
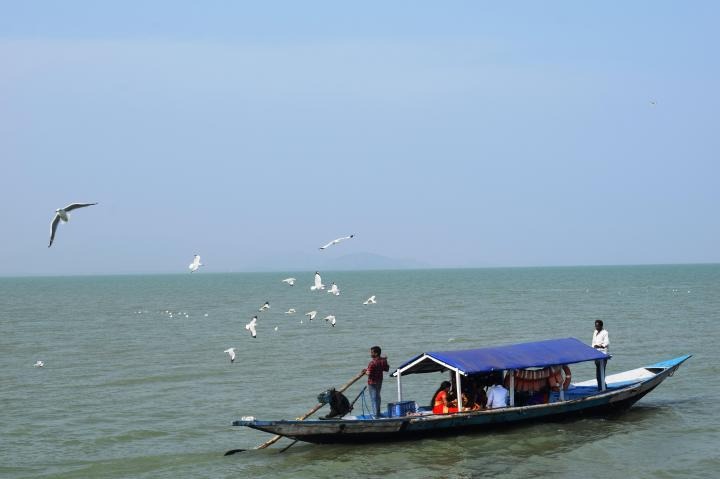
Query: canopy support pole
399,387
511,372
458,390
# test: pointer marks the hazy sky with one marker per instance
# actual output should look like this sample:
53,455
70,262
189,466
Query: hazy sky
453,133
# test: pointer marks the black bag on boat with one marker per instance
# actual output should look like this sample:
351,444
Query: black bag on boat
339,404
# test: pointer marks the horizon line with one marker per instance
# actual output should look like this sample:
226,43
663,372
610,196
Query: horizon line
429,268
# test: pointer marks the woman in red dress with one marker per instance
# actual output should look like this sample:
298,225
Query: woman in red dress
440,402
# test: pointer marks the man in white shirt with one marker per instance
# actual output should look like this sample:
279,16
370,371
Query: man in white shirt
497,396
600,341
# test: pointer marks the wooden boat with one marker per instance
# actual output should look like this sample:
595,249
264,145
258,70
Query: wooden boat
405,422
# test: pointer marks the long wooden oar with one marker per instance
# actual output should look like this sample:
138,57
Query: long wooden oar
351,408
312,411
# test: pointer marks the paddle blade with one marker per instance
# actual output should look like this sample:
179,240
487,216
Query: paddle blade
233,451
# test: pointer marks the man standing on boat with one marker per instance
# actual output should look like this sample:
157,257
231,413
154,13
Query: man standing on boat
600,341
374,371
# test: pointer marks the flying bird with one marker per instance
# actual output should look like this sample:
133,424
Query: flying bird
231,352
39,364
336,241
290,281
290,311
265,306
61,214
318,283
195,264
330,318
334,290
251,326
370,300
311,314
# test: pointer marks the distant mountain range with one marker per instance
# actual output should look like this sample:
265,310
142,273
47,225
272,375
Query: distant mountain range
373,261
355,261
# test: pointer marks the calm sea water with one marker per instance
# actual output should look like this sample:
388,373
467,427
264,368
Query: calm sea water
130,390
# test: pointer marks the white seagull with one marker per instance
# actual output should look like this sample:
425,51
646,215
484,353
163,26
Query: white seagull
290,311
330,318
39,364
61,214
195,264
370,300
290,281
334,290
251,326
318,283
336,241
265,306
231,352
311,314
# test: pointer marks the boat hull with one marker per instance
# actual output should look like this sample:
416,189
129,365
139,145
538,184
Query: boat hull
355,431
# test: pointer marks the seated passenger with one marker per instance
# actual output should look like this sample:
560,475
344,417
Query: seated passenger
481,398
441,403
497,396
469,404
474,397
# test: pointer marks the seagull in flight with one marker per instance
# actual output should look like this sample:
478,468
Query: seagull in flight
231,352
265,306
330,318
61,214
311,314
336,241
334,290
290,281
195,264
370,300
251,326
290,311
318,283
39,364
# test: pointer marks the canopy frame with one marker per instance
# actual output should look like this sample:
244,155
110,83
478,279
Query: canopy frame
551,352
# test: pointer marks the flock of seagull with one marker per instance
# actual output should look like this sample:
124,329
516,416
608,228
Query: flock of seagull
317,286
62,216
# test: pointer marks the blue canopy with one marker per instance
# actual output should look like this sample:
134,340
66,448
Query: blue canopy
537,354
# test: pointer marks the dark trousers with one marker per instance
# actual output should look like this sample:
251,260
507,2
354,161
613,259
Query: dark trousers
598,364
374,390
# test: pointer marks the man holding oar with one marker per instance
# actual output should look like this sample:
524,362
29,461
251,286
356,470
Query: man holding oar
374,371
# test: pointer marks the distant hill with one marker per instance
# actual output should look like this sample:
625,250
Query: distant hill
320,261
358,261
